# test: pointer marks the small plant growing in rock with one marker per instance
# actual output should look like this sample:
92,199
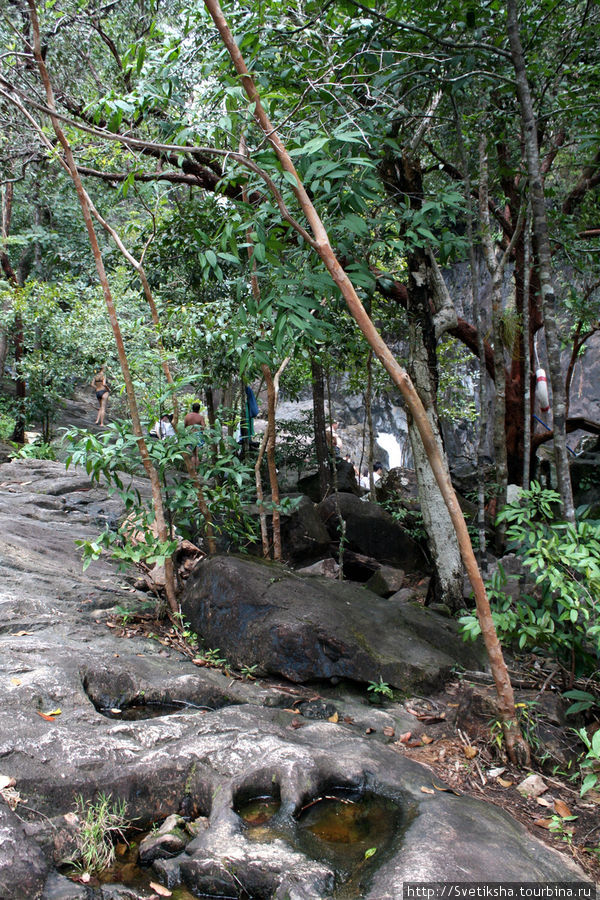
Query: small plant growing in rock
213,658
249,672
590,766
102,823
381,689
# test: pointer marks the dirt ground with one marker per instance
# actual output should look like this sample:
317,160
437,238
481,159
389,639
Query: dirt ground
457,736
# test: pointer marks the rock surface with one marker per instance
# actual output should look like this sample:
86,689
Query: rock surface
372,531
228,738
312,628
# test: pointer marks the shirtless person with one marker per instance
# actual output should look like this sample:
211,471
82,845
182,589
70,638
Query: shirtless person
195,421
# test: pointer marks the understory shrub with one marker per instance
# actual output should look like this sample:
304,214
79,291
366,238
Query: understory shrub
562,614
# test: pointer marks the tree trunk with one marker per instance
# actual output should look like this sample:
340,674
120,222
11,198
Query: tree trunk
404,176
516,745
542,248
478,316
319,425
132,403
496,271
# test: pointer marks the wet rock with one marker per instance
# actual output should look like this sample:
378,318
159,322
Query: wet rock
23,867
372,531
170,840
59,887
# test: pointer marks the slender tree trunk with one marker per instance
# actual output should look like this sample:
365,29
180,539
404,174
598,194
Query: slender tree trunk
132,403
271,421
369,415
7,198
319,425
542,247
496,271
517,747
18,434
527,379
478,315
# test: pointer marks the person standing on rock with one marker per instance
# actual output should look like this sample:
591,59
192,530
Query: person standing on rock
102,390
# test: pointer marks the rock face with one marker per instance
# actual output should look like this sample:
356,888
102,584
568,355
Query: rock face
303,535
227,739
306,628
372,531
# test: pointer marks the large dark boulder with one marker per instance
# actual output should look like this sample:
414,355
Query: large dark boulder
303,534
312,628
344,482
372,531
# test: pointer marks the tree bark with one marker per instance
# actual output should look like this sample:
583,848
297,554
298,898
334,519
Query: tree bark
517,747
319,425
542,247
132,403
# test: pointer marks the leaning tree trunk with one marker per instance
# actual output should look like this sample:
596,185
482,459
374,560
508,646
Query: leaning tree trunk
517,747
542,247
161,525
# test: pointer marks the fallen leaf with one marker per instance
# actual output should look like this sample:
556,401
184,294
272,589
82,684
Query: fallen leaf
296,723
543,823
470,751
6,781
431,719
426,790
334,718
561,809
503,782
44,716
200,662
369,730
425,739
23,483
406,736
453,704
499,770
543,802
295,712
160,890
20,633
110,625
16,680
389,731
348,720
54,712
116,711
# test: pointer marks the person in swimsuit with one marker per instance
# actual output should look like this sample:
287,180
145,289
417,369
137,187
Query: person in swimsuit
101,388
